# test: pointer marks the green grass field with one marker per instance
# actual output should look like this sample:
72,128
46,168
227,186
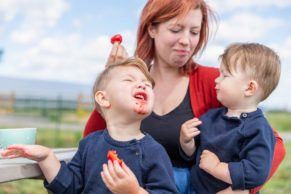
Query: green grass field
280,182
52,138
281,121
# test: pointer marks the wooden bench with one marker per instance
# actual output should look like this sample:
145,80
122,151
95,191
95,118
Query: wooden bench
21,168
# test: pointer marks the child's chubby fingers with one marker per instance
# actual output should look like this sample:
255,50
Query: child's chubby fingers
112,170
119,171
106,176
189,128
191,124
14,151
8,154
106,180
17,147
126,169
129,173
204,153
34,152
195,122
193,132
12,154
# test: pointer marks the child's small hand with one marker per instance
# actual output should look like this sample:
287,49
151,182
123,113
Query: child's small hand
32,152
188,131
208,161
119,179
211,164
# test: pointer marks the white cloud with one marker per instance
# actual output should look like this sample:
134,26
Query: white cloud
8,10
246,26
77,23
1,31
284,49
24,36
129,41
50,10
34,17
210,55
230,5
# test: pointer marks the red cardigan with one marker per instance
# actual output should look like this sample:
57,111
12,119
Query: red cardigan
203,98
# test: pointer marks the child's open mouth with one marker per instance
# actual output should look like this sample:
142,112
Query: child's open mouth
141,96
140,102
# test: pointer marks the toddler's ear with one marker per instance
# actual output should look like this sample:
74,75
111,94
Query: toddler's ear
251,88
101,99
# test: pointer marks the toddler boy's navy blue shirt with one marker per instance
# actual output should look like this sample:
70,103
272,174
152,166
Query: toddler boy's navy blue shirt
145,157
245,143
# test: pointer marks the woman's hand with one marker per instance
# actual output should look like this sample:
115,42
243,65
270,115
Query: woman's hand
33,152
119,179
118,52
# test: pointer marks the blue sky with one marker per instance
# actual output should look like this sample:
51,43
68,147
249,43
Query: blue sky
68,40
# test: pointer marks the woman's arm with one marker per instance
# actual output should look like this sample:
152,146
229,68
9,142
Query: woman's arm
279,154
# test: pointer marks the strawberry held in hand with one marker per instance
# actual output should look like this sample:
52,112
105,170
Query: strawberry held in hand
112,155
116,38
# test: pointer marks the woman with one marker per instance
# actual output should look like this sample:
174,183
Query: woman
170,33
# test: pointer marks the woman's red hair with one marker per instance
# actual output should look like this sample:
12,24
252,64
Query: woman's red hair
159,11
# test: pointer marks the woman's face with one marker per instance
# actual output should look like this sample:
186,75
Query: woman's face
176,40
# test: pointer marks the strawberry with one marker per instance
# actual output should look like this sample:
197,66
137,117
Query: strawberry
112,155
116,38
